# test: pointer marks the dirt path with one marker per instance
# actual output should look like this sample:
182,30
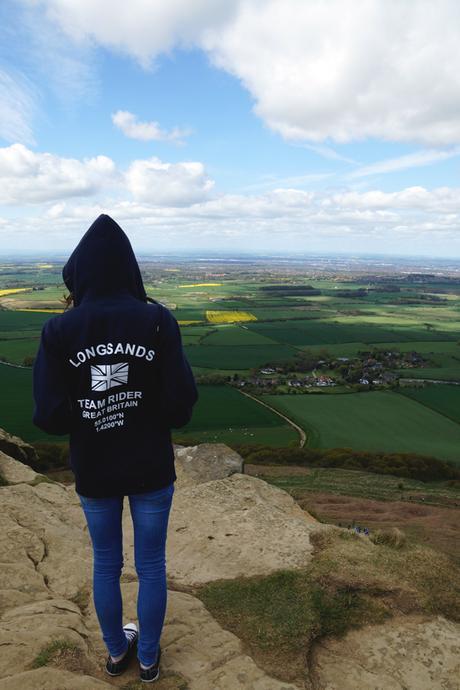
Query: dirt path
16,366
300,431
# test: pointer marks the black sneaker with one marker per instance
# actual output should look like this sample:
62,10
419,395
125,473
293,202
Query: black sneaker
115,668
148,675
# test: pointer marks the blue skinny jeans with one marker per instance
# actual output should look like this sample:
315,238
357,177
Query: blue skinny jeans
150,514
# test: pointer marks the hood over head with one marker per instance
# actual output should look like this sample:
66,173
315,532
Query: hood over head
103,263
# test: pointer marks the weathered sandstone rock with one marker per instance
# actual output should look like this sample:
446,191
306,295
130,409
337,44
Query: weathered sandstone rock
197,464
411,653
236,526
15,472
16,448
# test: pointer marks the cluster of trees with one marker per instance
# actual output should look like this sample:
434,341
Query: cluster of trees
215,379
302,361
408,465
53,456
359,292
281,290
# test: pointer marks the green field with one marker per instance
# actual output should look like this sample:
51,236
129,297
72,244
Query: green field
16,404
322,332
423,420
444,399
241,357
374,421
222,414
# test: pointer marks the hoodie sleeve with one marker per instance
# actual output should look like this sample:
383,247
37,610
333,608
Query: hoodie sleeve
52,411
178,390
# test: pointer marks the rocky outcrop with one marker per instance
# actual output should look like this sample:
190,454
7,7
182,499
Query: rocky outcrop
14,472
198,464
16,448
239,525
414,653
46,574
223,524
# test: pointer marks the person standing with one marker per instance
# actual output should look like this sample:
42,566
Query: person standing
111,373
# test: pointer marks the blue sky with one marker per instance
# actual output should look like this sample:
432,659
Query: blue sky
246,125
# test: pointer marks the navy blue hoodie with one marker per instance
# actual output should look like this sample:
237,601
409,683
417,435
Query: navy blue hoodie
111,372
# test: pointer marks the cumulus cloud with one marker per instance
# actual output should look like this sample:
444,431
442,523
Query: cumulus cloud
338,70
179,199
348,69
441,200
142,28
28,177
168,184
283,219
132,128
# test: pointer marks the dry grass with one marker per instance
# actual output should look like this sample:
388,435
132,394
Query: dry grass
407,578
426,513
433,526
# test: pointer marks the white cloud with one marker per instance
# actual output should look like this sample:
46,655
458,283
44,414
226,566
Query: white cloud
155,197
142,28
441,200
168,184
348,69
285,220
338,70
131,127
27,177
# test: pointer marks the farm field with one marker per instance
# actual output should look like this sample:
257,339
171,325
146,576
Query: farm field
239,317
444,399
222,414
374,421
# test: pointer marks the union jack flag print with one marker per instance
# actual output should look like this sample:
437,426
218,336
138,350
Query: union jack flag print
105,376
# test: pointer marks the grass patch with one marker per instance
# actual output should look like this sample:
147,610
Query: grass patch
57,652
351,582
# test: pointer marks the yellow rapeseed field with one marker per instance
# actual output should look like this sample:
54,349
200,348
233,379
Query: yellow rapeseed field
199,285
46,311
11,291
229,316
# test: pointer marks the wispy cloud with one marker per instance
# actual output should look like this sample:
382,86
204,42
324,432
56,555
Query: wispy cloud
327,152
410,160
272,181
133,128
17,107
